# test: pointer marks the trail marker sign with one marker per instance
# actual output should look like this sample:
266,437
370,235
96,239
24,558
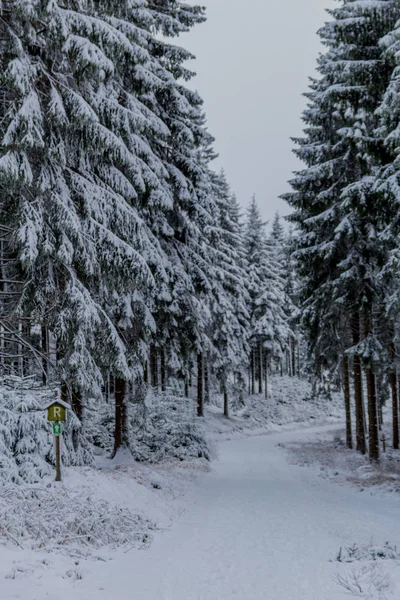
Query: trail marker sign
57,412
57,428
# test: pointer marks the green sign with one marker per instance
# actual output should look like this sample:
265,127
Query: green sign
57,428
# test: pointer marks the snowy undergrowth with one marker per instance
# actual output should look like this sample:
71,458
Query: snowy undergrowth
328,453
373,572
289,404
120,503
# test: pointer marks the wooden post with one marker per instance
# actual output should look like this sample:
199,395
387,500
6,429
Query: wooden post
58,458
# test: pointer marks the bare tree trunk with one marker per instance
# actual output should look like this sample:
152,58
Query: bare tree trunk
206,382
347,401
77,407
266,375
373,421
45,353
226,400
260,369
358,391
120,415
293,357
253,372
298,361
163,371
395,399
200,389
153,366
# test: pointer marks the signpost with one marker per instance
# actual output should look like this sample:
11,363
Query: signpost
56,413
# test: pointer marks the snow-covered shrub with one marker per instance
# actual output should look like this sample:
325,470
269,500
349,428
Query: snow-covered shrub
163,427
356,553
49,517
25,436
26,440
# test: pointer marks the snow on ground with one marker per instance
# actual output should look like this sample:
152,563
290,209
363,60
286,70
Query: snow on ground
327,455
254,527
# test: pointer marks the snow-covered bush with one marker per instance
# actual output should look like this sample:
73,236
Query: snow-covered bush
165,427
26,441
25,436
45,518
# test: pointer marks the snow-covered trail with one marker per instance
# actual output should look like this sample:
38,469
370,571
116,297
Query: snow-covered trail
256,528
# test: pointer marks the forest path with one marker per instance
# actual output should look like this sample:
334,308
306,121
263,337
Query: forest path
256,528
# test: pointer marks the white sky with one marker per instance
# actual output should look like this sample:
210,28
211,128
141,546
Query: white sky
254,59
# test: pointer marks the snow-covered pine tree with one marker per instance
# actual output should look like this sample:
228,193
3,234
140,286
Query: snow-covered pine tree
74,142
269,322
387,194
340,149
230,319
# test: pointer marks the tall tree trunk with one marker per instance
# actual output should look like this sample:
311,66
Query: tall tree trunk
298,361
163,371
266,374
347,401
293,357
395,399
206,382
373,420
120,415
153,366
45,353
226,400
260,369
253,372
200,389
358,388
77,407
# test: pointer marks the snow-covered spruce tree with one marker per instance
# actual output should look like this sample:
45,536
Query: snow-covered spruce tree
387,194
186,155
340,149
230,319
74,140
269,323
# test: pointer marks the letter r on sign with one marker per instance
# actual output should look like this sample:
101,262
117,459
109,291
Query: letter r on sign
57,412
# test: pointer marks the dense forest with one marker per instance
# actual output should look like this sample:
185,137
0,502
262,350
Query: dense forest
126,262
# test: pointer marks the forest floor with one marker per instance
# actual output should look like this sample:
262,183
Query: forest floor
254,525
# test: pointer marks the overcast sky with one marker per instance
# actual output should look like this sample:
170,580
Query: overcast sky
253,62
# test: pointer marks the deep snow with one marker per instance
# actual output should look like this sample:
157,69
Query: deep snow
256,528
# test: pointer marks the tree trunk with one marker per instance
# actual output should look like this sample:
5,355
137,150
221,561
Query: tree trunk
120,415
253,372
77,407
373,420
153,367
293,357
260,369
358,391
347,401
200,390
226,400
206,382
45,353
395,399
266,375
163,371
298,361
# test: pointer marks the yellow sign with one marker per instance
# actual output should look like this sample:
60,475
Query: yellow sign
56,412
